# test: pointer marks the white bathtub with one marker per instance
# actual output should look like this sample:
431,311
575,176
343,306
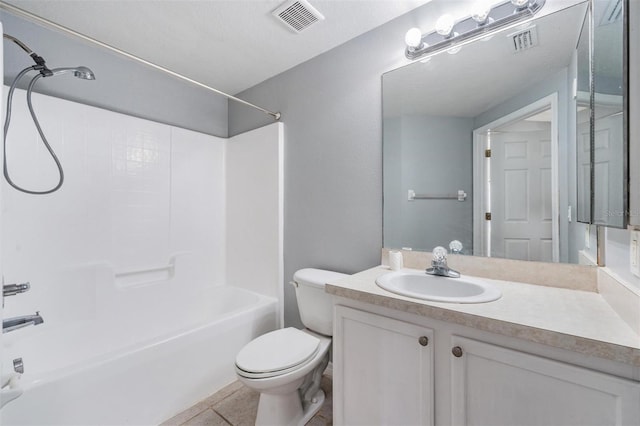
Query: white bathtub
90,373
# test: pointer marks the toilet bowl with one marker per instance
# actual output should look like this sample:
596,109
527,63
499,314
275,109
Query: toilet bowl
286,365
278,383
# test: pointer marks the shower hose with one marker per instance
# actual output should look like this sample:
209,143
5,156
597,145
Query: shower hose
37,124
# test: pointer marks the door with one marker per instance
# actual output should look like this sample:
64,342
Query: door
516,198
383,370
521,192
492,385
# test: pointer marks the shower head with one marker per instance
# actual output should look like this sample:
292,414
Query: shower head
80,72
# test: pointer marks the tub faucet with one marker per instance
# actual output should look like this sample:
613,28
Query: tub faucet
439,264
15,323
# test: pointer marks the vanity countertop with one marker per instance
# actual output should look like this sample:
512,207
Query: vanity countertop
579,321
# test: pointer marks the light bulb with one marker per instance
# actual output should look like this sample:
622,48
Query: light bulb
413,38
520,3
444,25
480,13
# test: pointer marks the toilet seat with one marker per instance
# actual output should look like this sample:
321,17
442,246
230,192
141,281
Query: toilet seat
276,353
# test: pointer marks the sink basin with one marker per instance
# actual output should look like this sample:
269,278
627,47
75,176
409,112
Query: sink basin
418,284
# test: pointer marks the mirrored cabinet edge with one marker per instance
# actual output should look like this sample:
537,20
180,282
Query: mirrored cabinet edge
633,68
624,211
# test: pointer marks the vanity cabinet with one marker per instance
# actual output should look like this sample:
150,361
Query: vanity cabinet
383,375
385,372
492,385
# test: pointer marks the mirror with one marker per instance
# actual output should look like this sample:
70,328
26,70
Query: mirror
609,138
479,144
583,116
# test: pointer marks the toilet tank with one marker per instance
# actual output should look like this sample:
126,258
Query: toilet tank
315,306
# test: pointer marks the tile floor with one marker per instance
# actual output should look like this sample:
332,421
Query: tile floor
236,405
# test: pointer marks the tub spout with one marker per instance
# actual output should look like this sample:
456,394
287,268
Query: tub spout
15,323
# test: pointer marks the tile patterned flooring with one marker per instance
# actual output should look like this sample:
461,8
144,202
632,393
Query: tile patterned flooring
236,405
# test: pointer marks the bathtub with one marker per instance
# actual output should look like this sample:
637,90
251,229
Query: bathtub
91,373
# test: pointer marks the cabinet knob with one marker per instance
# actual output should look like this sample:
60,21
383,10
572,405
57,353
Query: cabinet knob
423,340
456,351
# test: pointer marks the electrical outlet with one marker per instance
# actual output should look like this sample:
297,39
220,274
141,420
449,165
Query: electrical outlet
634,255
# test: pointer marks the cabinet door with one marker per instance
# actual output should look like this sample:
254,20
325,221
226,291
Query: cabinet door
383,370
495,386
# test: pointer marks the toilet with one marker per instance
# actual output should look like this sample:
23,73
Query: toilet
286,365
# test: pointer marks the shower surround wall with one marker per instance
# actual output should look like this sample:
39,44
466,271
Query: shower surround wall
128,261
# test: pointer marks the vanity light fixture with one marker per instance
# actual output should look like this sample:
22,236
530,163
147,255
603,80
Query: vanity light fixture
520,3
450,35
480,13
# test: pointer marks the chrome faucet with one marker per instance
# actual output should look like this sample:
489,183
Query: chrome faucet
439,264
15,323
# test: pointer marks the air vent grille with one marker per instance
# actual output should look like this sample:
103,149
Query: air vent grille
297,15
523,40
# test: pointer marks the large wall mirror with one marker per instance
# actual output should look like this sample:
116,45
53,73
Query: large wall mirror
479,144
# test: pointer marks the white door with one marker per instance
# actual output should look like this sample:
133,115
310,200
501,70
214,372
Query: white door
383,370
521,194
496,386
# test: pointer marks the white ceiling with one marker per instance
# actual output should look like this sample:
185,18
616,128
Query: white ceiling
228,44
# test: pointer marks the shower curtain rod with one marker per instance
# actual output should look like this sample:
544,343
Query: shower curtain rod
35,18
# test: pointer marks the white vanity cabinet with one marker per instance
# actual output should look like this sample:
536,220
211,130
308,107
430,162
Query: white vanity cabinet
384,376
384,372
492,385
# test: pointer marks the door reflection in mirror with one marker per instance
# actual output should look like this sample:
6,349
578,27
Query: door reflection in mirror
517,156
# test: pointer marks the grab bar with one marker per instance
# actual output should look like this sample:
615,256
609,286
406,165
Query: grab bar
460,196
169,267
144,276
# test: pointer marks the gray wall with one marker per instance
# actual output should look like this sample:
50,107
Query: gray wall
121,84
331,108
431,155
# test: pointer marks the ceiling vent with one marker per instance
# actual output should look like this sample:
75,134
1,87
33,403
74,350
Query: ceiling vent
297,15
523,40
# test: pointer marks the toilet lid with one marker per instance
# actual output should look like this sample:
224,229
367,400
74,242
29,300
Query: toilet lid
277,350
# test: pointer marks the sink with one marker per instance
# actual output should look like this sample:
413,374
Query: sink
418,284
